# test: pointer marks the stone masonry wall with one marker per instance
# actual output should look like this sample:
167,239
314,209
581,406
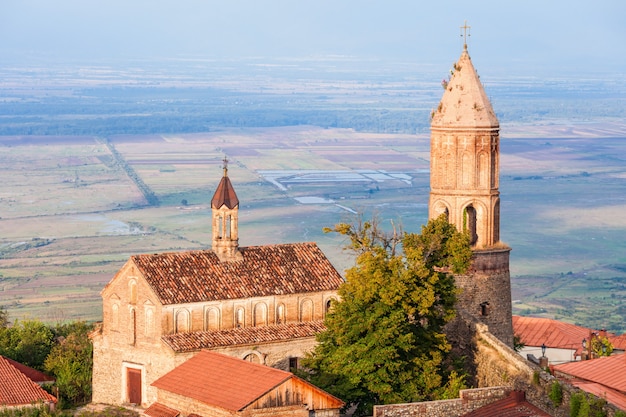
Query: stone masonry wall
486,292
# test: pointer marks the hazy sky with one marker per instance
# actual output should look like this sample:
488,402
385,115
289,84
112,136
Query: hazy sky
552,34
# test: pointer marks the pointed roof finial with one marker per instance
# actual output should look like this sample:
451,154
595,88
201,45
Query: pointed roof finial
465,28
225,160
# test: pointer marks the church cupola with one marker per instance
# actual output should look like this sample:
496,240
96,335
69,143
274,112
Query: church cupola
465,147
225,211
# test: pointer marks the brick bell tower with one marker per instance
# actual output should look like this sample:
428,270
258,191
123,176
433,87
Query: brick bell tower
464,176
225,212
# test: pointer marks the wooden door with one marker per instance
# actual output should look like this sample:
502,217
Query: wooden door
133,382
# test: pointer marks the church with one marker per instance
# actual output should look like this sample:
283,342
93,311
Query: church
263,304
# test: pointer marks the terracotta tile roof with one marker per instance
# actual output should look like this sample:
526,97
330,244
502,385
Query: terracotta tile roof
534,331
221,381
186,342
515,405
618,342
160,410
608,371
32,374
17,389
610,395
225,194
194,276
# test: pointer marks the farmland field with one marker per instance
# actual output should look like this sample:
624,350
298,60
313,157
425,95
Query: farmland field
71,215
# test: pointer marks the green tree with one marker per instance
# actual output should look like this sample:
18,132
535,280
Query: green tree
4,318
28,342
601,346
384,341
71,363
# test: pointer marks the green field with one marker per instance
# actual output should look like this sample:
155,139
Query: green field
71,215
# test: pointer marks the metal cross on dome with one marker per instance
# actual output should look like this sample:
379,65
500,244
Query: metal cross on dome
465,28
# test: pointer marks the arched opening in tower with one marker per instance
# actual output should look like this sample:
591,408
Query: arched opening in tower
469,223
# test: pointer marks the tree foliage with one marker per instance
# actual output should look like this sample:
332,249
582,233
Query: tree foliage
28,342
384,341
71,362
64,351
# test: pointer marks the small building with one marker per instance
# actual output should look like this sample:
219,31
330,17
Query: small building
603,377
264,304
214,385
18,390
563,341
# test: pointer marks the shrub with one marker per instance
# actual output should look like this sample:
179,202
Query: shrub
556,393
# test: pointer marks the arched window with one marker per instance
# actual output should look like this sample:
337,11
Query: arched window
329,305
149,329
260,315
306,310
227,226
212,321
483,170
239,317
133,327
280,314
254,357
132,291
115,316
219,225
469,223
182,321
496,221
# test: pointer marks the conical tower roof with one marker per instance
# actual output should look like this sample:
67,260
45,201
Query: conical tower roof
225,193
464,103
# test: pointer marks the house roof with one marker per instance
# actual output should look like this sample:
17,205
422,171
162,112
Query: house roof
160,410
195,276
464,102
534,331
515,405
608,371
17,389
32,374
186,342
224,381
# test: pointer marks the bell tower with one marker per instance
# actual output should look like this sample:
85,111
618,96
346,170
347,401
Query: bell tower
464,181
225,212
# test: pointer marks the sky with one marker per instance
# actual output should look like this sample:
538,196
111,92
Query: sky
552,35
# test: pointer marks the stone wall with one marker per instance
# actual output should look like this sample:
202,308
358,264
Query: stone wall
468,401
486,292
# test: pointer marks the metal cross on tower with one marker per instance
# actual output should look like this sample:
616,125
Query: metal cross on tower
465,28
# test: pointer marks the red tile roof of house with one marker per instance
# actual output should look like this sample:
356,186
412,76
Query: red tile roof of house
515,405
618,342
32,374
197,276
610,395
160,410
609,371
17,389
534,331
186,342
224,381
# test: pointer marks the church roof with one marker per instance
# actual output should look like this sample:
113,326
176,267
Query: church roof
225,194
197,276
464,103
187,342
17,389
